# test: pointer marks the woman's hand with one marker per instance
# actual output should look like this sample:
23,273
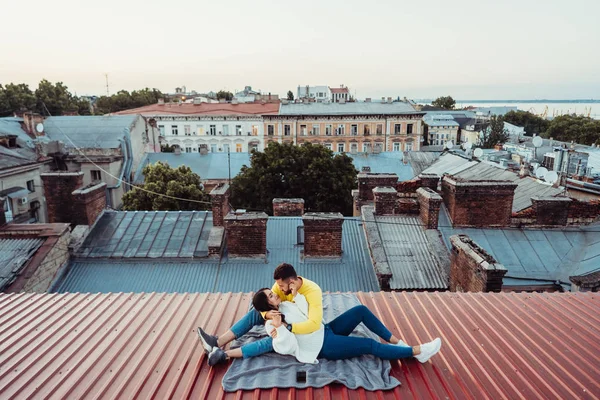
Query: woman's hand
293,288
277,320
271,314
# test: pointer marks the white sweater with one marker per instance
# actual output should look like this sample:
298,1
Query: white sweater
306,347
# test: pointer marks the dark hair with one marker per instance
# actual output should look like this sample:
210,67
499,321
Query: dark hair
284,271
260,301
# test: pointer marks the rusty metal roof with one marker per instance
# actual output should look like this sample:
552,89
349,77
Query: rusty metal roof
496,346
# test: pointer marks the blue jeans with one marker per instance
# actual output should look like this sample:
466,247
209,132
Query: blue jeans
337,345
242,327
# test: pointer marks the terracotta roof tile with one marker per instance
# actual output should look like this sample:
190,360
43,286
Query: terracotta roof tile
205,109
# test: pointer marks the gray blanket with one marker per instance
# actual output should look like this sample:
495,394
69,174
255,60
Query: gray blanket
274,370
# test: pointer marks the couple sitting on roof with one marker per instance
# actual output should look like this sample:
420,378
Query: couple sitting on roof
293,312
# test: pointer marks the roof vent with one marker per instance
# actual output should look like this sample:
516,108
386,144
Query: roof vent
366,168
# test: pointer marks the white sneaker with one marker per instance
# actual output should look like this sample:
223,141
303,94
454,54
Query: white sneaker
428,350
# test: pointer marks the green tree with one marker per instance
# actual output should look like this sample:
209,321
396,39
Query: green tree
54,99
531,122
175,182
167,148
15,98
494,133
83,106
222,94
290,95
577,128
445,102
312,172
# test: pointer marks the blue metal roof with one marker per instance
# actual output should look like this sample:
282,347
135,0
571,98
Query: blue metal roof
536,254
12,126
353,272
90,131
14,254
216,165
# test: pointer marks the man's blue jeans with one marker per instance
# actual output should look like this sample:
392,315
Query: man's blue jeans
251,319
337,345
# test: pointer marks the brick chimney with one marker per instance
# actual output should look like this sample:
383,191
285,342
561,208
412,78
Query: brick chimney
385,200
88,204
472,269
288,207
430,181
219,198
369,181
30,122
478,203
2,213
323,234
58,189
429,203
246,234
551,210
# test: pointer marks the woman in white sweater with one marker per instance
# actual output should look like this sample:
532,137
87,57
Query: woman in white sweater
332,340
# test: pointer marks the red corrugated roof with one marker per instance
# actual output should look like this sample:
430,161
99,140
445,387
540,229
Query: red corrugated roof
339,90
496,346
205,109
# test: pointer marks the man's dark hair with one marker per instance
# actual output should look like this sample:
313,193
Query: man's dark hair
284,271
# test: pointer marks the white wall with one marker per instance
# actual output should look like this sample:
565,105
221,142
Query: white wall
19,177
224,128
314,91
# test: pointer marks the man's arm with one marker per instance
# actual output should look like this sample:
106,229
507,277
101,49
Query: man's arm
315,313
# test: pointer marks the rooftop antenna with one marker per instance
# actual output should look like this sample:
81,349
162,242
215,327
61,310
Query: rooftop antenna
551,177
541,172
477,152
106,77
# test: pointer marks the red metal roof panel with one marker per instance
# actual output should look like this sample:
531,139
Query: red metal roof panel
500,346
204,109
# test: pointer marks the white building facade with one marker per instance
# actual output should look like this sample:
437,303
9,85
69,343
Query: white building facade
318,93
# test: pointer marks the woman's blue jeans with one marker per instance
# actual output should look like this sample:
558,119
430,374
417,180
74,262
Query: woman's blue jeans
248,321
337,345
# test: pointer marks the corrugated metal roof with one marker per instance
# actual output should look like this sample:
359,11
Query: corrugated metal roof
449,164
526,189
421,160
90,131
385,162
149,234
354,108
407,251
495,346
14,254
257,109
12,126
535,254
353,272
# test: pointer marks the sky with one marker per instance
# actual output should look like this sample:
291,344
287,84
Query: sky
469,49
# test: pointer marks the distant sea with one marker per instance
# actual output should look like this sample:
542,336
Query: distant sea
555,107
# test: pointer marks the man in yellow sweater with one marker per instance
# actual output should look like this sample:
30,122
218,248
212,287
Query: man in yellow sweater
284,275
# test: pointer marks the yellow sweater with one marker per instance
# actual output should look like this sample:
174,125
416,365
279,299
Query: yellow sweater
314,298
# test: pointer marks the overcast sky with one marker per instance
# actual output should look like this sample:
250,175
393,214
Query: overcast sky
475,49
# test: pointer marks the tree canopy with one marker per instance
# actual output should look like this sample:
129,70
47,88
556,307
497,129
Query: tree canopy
533,124
311,172
582,130
176,182
445,102
123,100
16,97
494,133
222,94
290,95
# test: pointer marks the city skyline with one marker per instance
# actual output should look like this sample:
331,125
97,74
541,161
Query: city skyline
467,49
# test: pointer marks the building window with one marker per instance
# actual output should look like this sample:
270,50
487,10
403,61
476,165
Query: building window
254,130
409,129
270,130
397,129
367,130
328,145
187,130
213,148
188,149
396,146
238,130
200,129
409,147
340,148
354,129
286,130
174,131
328,130
353,147
379,129
225,129
31,186
303,130
315,130
161,130
366,147
213,130
226,148
340,129
378,147
96,175
238,147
